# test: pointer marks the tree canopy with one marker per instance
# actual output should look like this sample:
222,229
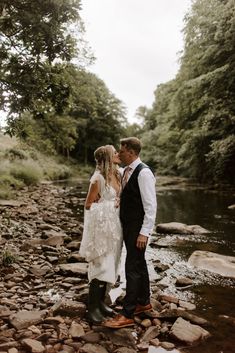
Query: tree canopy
191,128
52,102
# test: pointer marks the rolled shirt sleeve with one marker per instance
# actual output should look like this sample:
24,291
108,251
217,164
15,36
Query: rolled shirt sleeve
147,181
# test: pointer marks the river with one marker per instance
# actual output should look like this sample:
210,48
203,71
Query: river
213,295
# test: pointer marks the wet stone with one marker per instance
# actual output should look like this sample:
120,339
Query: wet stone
155,342
187,305
76,330
125,350
146,323
152,332
167,345
93,348
187,332
91,337
183,281
34,346
121,337
168,298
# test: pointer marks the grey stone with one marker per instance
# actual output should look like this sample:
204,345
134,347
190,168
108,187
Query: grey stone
125,350
152,332
55,240
79,268
167,345
187,332
121,337
93,348
34,345
184,281
180,228
210,261
91,337
8,345
23,319
76,330
187,305
74,245
69,308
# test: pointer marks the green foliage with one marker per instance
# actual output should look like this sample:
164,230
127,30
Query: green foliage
56,171
9,181
192,121
22,165
34,34
98,113
53,105
221,158
27,171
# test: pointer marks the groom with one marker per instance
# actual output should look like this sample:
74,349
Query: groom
137,212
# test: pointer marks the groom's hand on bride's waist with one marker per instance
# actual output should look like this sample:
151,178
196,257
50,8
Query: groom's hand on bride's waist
141,241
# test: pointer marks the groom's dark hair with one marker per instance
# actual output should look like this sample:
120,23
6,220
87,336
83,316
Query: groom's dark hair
131,143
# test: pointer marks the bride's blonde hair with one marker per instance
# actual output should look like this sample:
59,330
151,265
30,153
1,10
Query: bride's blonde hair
104,161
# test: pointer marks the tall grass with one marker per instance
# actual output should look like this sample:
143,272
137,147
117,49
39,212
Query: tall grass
22,165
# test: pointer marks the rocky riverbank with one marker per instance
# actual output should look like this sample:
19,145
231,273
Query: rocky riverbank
43,287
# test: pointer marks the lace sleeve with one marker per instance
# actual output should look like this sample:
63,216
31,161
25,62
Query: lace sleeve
97,177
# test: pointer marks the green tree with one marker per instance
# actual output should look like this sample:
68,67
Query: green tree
99,114
193,116
34,36
90,116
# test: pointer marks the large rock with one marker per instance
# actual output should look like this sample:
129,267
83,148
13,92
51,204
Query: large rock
76,330
34,346
220,264
151,333
78,268
121,337
180,228
23,319
186,332
66,307
55,240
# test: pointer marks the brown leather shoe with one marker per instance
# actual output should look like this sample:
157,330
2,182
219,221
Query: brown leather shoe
119,321
142,308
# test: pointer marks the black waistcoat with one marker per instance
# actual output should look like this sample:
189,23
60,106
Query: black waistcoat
131,206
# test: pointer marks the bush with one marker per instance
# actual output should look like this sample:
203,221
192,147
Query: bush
8,180
16,153
55,171
6,193
8,258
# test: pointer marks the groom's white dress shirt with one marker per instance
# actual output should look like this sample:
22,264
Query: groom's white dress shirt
146,181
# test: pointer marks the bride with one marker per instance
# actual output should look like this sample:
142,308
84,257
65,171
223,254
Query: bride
102,234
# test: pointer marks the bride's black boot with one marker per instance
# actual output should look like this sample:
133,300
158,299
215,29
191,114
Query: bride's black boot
105,309
94,300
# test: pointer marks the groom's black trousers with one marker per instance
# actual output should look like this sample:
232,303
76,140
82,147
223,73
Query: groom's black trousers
137,277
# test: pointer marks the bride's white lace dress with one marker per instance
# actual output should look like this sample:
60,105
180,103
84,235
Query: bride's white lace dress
102,234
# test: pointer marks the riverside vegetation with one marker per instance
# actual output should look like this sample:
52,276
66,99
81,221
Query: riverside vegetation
22,165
